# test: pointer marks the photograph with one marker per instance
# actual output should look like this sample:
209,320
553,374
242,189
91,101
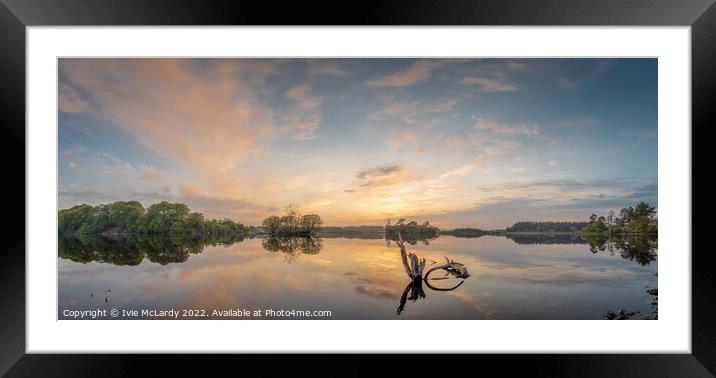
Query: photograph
406,188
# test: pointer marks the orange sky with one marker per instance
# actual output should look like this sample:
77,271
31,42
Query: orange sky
460,142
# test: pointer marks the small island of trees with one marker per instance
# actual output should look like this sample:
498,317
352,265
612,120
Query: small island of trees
411,230
637,220
292,223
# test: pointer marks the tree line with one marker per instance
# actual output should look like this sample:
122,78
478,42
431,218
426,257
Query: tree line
130,217
547,227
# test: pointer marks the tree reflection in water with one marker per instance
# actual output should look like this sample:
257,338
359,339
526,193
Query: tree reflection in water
131,250
546,238
291,247
640,249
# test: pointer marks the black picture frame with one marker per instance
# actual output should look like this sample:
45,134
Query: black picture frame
16,15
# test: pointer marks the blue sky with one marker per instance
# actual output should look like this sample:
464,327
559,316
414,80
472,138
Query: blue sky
459,142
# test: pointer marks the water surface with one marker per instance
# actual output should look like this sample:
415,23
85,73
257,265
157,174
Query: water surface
520,277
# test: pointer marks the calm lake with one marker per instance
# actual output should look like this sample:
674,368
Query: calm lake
521,277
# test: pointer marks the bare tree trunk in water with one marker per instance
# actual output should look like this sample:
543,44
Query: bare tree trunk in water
416,267
415,272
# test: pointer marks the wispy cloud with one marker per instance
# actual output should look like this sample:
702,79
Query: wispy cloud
321,67
384,177
641,136
479,161
354,140
209,120
402,139
222,206
489,85
571,83
111,164
304,117
417,72
150,173
491,125
409,111
70,101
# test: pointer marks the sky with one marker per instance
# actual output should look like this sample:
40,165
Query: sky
459,142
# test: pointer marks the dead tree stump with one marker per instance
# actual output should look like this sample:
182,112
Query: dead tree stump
416,266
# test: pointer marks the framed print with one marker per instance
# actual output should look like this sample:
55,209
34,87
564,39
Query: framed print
492,177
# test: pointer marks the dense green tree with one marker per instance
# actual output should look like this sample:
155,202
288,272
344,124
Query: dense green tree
195,223
598,226
70,220
271,224
643,216
124,215
311,223
117,217
225,227
161,217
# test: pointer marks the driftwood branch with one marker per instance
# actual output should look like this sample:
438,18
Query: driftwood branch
451,267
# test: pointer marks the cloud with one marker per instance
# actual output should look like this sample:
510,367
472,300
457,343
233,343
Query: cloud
211,118
553,163
491,125
499,205
577,123
479,161
569,84
111,164
417,72
71,195
70,101
573,194
72,165
402,139
489,85
322,67
385,176
409,111
379,171
298,93
305,116
154,194
221,130
222,206
149,173
641,136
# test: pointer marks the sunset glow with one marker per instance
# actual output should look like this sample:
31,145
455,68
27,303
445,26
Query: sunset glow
459,142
